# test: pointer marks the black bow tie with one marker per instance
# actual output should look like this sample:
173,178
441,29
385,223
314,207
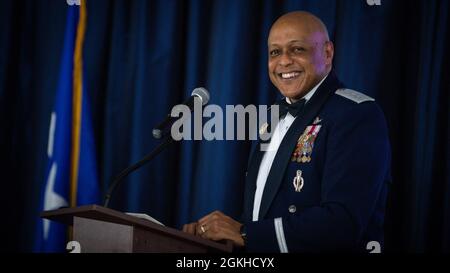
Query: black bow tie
293,108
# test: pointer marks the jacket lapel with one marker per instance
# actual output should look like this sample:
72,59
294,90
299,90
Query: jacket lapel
252,174
283,156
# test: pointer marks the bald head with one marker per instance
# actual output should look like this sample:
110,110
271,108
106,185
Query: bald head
307,22
300,53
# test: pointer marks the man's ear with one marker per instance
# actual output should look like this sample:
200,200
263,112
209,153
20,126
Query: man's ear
329,52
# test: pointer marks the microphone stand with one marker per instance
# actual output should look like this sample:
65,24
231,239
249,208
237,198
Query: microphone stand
166,142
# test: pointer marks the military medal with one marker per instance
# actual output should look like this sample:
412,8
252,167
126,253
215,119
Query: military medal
305,144
298,181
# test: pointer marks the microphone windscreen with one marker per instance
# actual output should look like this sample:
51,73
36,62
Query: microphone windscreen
202,93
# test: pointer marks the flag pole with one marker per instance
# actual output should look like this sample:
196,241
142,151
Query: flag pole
77,103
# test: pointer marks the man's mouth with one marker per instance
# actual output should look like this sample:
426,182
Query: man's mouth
289,75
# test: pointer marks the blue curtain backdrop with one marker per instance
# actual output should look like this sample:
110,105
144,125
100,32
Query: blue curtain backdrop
143,57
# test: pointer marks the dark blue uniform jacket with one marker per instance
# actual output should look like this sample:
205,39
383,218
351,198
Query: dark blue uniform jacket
341,205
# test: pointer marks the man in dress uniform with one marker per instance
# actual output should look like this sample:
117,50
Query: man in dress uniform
320,182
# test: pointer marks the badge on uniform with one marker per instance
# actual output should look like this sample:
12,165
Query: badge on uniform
263,128
317,121
298,181
305,144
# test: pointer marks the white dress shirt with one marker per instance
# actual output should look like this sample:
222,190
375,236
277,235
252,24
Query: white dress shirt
266,163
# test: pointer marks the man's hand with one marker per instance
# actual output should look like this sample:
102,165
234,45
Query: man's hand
216,226
190,228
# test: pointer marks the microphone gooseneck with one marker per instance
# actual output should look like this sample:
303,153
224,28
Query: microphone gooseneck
134,167
158,133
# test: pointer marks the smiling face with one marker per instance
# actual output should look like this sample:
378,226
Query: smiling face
300,54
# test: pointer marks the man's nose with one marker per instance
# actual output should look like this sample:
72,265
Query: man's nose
285,59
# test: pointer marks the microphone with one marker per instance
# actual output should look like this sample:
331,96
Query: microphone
199,92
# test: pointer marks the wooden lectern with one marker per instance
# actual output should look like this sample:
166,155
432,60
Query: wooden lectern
100,229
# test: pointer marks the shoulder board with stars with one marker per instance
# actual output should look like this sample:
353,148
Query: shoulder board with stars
353,95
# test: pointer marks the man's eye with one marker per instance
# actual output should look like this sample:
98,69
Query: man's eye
299,49
274,52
